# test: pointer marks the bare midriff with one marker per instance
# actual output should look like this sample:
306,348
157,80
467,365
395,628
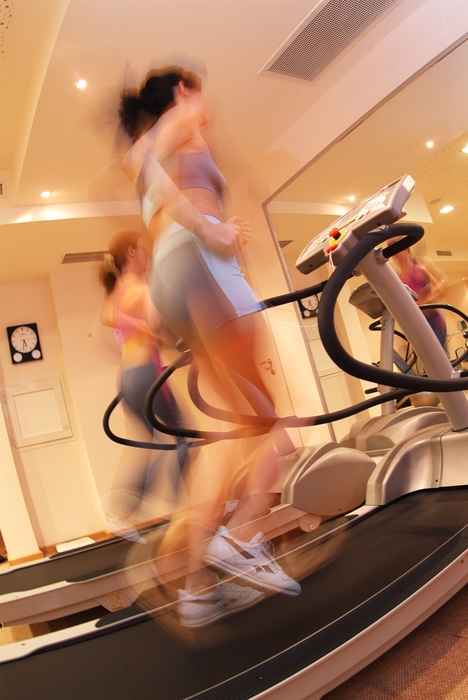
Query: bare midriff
202,199
138,351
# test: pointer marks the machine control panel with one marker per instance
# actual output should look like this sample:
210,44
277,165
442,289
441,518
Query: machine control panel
382,207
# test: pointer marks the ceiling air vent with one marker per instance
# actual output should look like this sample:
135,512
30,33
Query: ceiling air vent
93,256
283,244
320,39
442,253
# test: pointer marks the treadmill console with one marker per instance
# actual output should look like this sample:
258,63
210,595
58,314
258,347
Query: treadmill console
382,207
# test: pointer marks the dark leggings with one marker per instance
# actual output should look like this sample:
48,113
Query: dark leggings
134,385
437,323
138,468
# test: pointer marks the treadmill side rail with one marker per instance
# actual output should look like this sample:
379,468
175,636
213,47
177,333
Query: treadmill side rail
412,465
329,482
453,454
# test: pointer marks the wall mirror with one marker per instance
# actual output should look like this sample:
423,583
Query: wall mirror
394,139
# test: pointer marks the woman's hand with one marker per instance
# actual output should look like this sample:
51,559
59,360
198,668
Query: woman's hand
226,238
245,228
425,294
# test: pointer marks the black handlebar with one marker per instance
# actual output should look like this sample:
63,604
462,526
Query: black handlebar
330,289
328,301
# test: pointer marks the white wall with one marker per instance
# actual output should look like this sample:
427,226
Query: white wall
55,477
457,295
92,358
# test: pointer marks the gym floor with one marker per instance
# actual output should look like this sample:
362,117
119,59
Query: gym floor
430,664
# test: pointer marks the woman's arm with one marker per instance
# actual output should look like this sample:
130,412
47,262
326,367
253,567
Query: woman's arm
107,315
175,128
147,175
437,282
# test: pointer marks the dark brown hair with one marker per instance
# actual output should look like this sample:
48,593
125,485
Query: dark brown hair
141,107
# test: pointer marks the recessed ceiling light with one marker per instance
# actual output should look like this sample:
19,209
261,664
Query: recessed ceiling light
465,150
352,198
45,194
81,84
429,144
446,209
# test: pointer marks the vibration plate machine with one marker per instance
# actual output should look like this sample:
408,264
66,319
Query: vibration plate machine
370,571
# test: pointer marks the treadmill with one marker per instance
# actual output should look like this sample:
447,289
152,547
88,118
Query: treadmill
73,581
368,579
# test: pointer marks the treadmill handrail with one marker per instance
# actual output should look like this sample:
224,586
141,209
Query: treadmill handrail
328,333
258,425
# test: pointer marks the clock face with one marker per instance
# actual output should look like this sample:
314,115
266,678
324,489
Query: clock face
311,303
24,339
24,343
309,306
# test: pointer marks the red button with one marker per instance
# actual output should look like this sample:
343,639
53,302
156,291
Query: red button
334,232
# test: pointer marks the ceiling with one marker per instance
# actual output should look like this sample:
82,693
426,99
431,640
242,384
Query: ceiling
57,138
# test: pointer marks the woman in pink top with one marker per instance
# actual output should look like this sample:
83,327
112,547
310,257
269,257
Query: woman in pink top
424,278
128,309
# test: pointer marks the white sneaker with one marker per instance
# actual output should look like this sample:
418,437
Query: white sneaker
252,561
122,529
226,599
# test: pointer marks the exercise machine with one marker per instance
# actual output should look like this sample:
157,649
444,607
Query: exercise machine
366,584
385,431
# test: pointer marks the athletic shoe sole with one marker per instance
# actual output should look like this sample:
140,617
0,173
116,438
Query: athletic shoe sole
248,575
225,608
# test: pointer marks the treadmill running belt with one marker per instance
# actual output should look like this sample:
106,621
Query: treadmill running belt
71,566
147,660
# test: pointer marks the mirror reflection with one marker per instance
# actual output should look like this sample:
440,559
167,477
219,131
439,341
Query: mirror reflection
422,131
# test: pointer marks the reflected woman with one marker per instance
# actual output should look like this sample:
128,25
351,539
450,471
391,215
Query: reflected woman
424,278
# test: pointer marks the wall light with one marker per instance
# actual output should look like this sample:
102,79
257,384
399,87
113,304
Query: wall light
446,209
352,198
430,144
81,84
46,194
465,150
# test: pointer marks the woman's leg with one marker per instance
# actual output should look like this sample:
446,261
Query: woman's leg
437,323
130,477
133,471
207,484
240,345
196,309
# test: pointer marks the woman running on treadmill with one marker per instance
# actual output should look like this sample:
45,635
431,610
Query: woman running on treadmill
129,310
200,291
424,278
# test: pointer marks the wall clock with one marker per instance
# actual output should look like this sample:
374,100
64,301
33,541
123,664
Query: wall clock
309,306
24,343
